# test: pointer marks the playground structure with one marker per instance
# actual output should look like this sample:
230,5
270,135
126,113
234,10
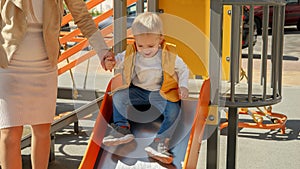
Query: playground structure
212,49
268,92
193,118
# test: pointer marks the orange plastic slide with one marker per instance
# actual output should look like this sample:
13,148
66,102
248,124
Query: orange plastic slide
191,143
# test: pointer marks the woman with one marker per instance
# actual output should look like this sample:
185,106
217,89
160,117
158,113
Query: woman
28,71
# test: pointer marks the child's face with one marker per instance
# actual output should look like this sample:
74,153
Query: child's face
148,44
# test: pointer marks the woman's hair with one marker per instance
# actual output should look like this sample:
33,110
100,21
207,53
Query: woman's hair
147,22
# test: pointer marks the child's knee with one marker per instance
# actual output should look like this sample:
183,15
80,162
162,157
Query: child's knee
172,116
120,95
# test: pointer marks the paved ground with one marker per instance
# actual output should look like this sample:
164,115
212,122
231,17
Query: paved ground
257,149
265,149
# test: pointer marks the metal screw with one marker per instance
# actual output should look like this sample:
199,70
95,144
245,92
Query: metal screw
228,58
211,118
229,12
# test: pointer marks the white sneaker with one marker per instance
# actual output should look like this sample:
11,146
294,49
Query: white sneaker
118,136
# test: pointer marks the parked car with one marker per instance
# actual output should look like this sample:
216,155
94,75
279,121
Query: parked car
292,15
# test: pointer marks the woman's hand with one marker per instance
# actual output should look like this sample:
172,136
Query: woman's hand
108,61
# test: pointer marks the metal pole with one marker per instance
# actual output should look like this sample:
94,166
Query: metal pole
120,25
215,59
250,53
232,137
273,52
139,6
213,149
275,56
235,48
152,5
265,50
281,39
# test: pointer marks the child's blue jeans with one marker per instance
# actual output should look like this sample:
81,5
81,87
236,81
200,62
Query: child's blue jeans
137,96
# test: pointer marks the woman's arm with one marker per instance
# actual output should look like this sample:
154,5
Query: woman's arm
85,23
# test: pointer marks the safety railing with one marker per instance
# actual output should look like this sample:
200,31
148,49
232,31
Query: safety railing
81,42
250,94
269,90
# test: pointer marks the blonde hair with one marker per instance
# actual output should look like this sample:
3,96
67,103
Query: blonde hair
147,22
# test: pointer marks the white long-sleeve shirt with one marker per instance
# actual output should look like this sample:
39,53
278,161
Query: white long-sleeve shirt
148,71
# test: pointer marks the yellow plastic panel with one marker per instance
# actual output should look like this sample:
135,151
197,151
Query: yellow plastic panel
186,24
226,41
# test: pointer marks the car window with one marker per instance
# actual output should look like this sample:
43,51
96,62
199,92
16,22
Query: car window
292,1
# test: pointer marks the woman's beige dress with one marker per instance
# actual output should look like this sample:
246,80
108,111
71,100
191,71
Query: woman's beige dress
28,86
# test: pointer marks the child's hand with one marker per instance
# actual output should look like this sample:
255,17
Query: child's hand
109,55
109,63
183,92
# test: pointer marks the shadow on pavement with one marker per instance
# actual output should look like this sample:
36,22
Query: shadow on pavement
292,30
292,132
258,56
66,143
287,30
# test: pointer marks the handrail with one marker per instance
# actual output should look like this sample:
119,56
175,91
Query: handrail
90,4
87,55
75,36
254,2
76,32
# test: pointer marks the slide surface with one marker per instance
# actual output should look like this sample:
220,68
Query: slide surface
98,156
